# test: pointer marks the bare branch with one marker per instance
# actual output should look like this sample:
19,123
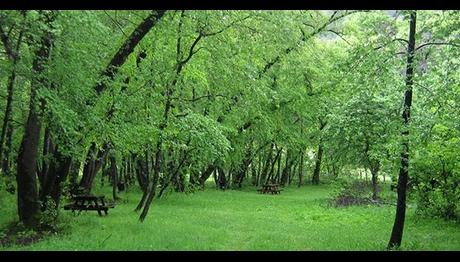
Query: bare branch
391,41
116,23
437,43
227,26
334,17
191,52
201,97
339,35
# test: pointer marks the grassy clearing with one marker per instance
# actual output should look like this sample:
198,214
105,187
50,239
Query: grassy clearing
297,219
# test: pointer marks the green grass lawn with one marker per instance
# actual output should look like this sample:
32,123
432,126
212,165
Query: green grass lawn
298,219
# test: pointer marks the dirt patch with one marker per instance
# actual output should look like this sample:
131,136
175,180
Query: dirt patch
16,234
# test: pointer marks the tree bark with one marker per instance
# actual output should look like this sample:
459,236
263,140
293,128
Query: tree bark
6,163
28,203
287,168
128,47
206,174
92,166
114,176
57,173
375,171
398,226
270,173
244,167
301,167
317,170
221,179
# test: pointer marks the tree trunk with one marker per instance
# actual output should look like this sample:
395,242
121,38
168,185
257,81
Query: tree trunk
287,168
293,172
74,176
398,226
317,170
141,175
206,174
57,173
272,168
259,168
243,168
375,171
301,167
6,163
28,204
47,152
221,179
278,170
8,112
114,176
154,184
263,175
92,166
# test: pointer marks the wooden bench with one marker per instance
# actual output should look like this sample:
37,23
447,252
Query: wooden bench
89,202
270,188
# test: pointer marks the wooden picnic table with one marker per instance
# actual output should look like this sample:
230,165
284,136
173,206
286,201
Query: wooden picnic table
89,202
270,188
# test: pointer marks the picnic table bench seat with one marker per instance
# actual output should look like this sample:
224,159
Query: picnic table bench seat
270,188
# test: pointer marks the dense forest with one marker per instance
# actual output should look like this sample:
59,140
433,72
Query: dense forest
357,110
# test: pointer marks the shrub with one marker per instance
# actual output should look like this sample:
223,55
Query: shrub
351,192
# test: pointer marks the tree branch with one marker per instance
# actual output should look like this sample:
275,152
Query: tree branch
437,43
116,23
304,38
339,35
201,97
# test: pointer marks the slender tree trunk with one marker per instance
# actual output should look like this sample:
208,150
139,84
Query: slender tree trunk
293,172
47,150
92,166
272,168
259,168
317,170
154,184
375,171
114,176
244,167
319,155
278,170
301,167
6,163
268,162
205,175
8,112
287,168
398,226
214,176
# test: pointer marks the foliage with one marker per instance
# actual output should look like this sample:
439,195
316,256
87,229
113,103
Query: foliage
248,93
